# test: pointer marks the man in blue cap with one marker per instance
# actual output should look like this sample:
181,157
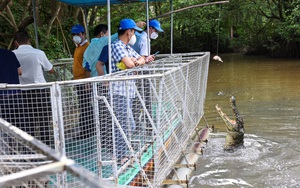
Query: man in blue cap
78,36
123,91
141,46
86,122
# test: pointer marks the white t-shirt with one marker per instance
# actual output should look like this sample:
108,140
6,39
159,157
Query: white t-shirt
33,63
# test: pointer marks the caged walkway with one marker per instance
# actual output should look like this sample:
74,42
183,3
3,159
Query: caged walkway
130,137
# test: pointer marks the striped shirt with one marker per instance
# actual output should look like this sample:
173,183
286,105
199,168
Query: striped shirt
119,50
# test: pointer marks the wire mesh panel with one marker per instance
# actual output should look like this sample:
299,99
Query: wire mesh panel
29,108
129,127
63,70
27,162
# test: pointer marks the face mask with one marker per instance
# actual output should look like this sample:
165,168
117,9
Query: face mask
154,35
77,39
132,40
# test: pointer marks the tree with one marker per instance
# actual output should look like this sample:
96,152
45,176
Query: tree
268,27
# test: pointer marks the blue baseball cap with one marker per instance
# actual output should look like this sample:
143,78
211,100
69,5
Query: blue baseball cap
76,29
128,24
156,25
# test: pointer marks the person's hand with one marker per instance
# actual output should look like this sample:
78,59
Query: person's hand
141,24
133,59
150,58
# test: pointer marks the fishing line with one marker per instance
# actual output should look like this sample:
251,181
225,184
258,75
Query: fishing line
218,35
216,57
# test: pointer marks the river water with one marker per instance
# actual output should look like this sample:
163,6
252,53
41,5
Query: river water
267,95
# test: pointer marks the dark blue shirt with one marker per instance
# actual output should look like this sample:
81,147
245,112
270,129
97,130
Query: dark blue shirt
104,57
9,65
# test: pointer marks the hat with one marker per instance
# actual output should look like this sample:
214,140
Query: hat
76,29
156,25
128,24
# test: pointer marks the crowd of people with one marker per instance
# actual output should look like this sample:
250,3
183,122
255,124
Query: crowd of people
26,65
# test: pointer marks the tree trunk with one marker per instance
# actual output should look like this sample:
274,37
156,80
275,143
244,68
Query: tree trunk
55,14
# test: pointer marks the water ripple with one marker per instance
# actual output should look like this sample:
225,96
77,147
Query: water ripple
260,163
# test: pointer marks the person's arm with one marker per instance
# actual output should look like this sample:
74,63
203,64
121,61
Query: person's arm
88,74
51,71
135,61
19,71
46,64
141,61
129,62
87,69
149,59
100,68
140,24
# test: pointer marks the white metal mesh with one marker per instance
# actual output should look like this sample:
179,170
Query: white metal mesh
145,115
28,163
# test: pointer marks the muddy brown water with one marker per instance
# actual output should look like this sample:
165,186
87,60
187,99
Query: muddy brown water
267,94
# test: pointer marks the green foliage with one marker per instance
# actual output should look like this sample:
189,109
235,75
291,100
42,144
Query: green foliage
268,27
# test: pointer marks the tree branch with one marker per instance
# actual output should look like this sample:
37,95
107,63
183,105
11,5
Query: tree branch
27,21
4,4
190,7
11,18
55,15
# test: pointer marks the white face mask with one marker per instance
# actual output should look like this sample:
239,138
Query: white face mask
154,35
77,39
132,40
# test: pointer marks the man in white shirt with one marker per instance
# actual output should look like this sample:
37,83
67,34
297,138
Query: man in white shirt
36,102
33,61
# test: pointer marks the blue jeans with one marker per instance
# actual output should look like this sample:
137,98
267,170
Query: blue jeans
123,112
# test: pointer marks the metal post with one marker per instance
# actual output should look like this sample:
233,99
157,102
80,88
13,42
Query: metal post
171,45
148,37
35,25
109,35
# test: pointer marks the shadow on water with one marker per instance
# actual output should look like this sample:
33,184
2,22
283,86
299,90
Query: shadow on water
268,97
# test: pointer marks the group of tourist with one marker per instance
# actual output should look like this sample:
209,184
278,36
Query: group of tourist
129,49
26,65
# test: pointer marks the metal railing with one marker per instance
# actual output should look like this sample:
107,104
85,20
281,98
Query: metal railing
128,128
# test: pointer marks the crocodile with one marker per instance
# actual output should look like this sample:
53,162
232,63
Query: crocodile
235,128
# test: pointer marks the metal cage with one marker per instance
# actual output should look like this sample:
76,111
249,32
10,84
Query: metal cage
128,128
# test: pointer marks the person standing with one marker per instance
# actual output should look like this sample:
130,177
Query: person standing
141,45
33,61
90,59
37,103
83,90
143,85
10,69
123,91
92,53
78,36
10,104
